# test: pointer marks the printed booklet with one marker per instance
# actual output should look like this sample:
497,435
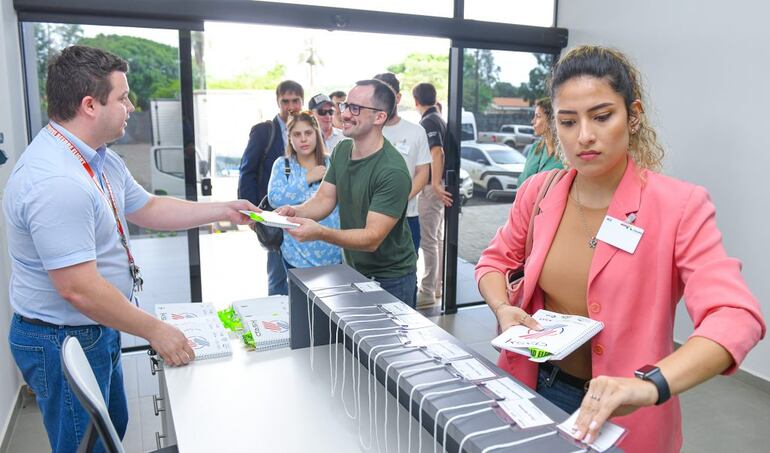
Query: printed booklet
561,335
271,219
200,324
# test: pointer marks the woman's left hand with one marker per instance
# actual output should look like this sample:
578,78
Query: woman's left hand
315,174
609,397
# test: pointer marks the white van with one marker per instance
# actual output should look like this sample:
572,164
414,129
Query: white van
468,131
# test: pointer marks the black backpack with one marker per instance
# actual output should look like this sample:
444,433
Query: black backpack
270,238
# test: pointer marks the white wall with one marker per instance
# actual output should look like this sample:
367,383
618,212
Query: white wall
706,70
13,126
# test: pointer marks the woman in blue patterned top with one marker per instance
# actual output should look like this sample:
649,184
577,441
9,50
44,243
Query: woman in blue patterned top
307,159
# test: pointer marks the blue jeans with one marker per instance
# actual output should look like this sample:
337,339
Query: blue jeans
276,275
414,227
36,350
404,288
563,395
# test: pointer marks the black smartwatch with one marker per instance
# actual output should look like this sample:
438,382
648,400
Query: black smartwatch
651,373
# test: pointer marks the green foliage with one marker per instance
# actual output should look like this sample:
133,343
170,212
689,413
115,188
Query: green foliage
505,90
153,67
480,74
422,67
248,81
50,39
538,79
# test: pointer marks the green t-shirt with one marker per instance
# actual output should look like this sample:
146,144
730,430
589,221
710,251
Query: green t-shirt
378,183
538,160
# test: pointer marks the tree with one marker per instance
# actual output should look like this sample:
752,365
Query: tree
153,67
480,74
536,88
423,67
250,81
505,90
49,39
310,57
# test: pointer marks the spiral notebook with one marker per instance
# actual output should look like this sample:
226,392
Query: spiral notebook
200,324
267,318
561,335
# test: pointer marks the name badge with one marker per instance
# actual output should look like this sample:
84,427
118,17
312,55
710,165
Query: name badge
620,234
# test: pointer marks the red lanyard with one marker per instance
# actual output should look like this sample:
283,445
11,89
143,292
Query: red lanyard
132,267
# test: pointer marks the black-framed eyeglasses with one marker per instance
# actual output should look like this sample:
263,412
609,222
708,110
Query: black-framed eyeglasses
325,112
355,109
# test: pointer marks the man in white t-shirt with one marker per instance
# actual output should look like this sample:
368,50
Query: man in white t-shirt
323,110
411,141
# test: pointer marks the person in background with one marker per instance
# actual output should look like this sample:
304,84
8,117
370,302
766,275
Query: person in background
666,246
433,198
323,110
337,97
267,142
66,207
307,163
411,141
369,182
542,154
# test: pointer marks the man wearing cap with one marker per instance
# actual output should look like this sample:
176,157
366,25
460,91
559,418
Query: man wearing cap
411,141
323,111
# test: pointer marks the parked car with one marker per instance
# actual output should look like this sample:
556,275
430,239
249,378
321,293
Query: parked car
466,186
516,136
492,167
468,131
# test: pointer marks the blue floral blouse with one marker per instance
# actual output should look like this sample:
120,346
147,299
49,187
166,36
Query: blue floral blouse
293,191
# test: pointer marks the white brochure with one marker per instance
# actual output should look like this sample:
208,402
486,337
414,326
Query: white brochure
525,413
446,350
507,388
270,218
609,434
473,370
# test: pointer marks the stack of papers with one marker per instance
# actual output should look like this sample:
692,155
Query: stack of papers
270,218
267,318
200,324
561,335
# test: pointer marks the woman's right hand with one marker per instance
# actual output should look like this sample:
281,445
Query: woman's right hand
509,316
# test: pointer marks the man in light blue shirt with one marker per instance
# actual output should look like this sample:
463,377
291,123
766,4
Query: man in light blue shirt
66,206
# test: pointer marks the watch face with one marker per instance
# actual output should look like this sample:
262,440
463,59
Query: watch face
645,370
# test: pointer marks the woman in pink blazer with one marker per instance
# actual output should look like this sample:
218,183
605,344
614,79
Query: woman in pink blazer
633,289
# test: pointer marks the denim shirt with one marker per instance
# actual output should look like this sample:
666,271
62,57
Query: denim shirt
295,190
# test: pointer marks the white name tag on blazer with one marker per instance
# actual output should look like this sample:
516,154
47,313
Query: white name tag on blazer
619,234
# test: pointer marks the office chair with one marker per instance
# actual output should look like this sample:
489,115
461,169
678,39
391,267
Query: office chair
81,378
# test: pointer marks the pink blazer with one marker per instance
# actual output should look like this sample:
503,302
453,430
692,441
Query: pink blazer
679,255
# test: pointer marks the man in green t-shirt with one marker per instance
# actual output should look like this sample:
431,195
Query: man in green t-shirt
370,183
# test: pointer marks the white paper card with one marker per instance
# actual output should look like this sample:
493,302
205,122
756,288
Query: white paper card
473,370
398,308
418,338
270,218
413,321
366,287
620,234
446,350
609,433
524,413
507,388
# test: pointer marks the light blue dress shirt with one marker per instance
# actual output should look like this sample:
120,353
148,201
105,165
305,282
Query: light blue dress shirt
56,217
293,191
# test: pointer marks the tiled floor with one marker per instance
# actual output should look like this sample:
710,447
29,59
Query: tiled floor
722,415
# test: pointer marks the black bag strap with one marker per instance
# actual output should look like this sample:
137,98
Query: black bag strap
286,167
265,151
